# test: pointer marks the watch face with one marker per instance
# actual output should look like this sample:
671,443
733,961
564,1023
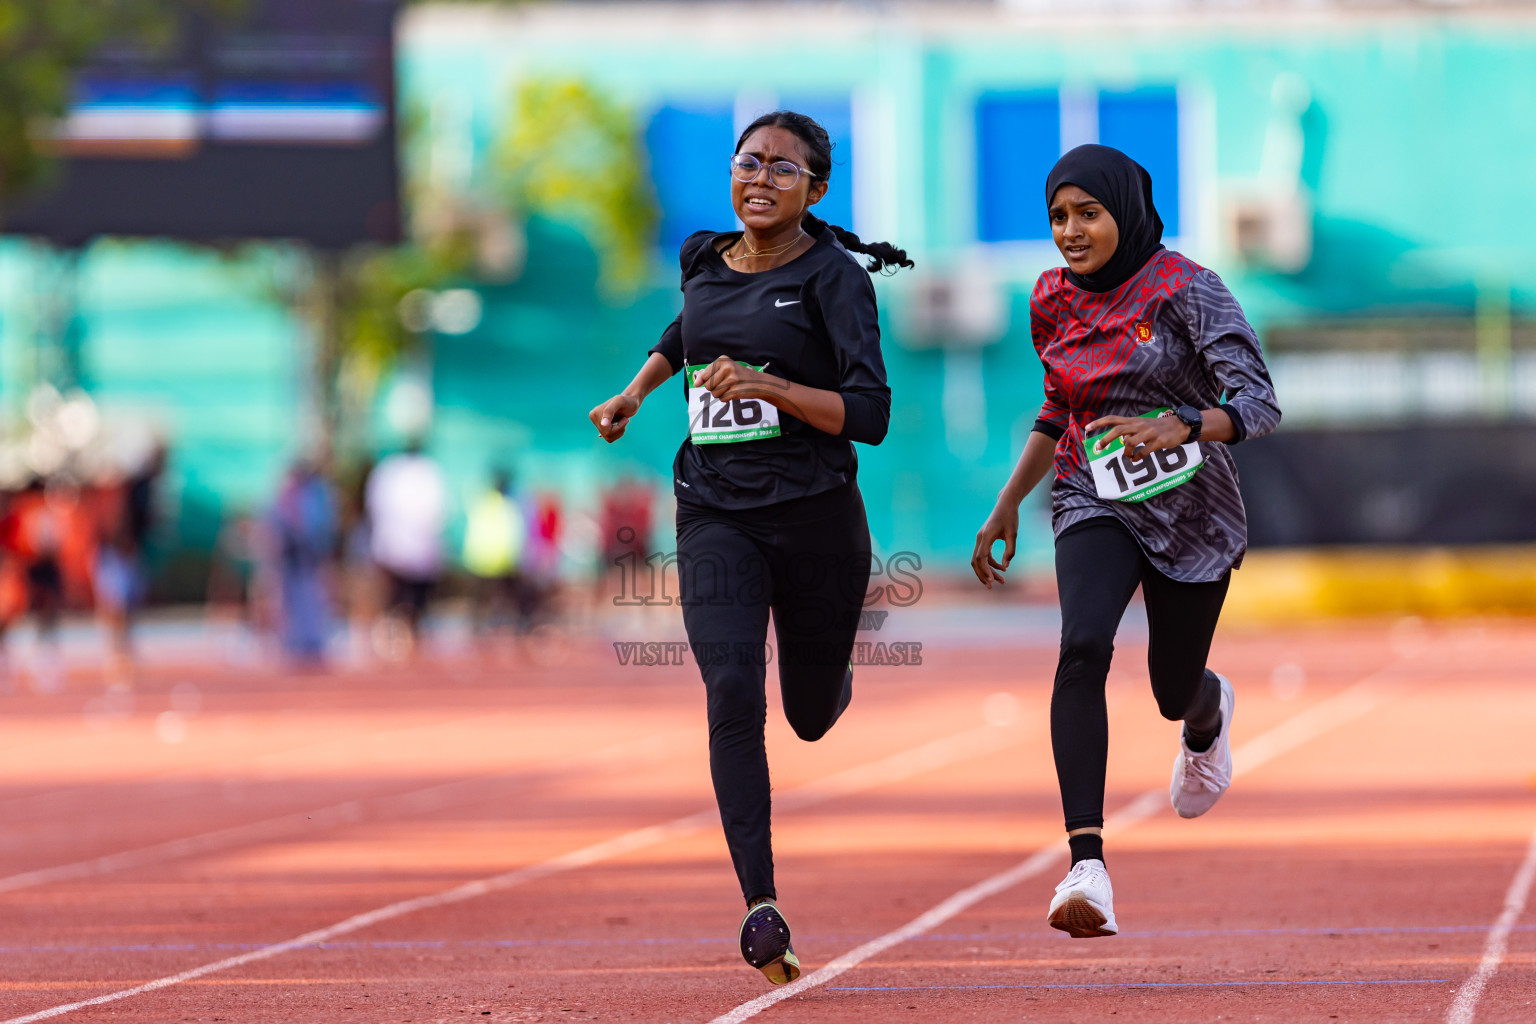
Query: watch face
1189,414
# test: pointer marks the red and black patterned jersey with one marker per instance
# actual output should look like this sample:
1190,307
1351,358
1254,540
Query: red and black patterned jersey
1171,335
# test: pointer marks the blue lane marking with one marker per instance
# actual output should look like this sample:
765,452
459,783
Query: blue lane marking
1428,929
1134,984
1041,936
1369,930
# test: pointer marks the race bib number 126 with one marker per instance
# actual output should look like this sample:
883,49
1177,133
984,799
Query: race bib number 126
1119,479
711,421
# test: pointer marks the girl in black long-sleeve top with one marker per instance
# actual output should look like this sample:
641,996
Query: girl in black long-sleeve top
780,345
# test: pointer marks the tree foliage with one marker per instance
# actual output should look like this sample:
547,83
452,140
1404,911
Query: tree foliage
43,43
575,155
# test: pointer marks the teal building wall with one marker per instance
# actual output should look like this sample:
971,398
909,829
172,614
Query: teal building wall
1414,145
1406,121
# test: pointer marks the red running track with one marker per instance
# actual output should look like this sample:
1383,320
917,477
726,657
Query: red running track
1356,870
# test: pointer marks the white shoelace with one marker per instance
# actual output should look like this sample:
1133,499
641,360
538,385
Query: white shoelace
1202,767
1084,871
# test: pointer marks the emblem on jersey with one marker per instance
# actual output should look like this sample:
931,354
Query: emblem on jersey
1143,331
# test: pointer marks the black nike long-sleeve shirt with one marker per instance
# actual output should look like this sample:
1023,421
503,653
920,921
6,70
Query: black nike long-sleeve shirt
812,321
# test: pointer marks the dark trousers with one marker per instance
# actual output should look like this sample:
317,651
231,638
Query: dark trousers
808,562
1098,567
409,595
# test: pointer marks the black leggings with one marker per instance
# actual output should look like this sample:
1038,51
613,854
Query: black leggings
808,560
1098,566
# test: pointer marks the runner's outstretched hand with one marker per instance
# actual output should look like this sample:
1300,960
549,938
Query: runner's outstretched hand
1001,525
612,417
1148,434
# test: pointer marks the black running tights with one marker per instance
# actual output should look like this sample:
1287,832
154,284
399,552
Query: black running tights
1098,567
807,561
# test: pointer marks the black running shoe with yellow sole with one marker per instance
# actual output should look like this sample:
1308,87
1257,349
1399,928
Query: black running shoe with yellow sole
765,944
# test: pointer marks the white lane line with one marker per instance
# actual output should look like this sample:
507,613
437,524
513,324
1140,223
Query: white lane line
937,753
1465,1004
1288,735
348,812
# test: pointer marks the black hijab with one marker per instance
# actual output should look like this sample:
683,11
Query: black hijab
1125,189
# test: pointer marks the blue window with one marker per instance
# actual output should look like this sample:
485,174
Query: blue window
690,152
835,114
1145,124
1018,139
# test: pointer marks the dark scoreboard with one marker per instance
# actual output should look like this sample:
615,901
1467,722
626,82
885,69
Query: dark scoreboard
278,122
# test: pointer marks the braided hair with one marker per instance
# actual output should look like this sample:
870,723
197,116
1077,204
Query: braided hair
818,155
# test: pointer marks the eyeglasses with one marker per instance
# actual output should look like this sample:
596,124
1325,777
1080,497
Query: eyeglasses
782,174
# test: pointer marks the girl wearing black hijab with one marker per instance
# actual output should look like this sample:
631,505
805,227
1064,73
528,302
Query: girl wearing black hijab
1151,372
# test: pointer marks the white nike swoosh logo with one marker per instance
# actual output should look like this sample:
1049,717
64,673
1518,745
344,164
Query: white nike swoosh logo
791,302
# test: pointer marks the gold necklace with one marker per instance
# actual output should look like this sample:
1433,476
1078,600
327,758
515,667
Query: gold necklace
764,252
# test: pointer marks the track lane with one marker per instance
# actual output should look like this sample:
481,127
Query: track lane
646,933
891,769
1280,739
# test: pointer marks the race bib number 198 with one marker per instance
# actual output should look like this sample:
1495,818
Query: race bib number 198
711,421
1119,479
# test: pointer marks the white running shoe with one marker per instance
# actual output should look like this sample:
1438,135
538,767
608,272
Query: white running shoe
1200,779
1084,904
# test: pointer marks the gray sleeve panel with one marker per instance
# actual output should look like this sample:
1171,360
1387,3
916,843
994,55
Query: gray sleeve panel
1230,349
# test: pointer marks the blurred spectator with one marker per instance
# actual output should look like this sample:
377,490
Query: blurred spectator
626,520
495,536
233,583
541,557
407,508
34,534
624,533
13,588
121,571
304,532
360,575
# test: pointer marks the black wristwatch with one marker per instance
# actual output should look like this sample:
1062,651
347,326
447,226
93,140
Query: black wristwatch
1191,418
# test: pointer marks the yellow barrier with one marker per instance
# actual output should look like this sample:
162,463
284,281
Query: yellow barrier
1296,585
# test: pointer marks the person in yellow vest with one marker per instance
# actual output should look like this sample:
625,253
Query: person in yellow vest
495,535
